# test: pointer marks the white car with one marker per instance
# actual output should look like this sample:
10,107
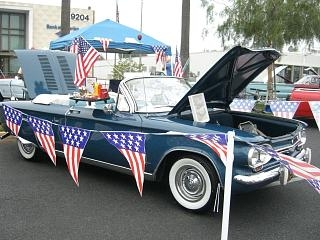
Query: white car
12,88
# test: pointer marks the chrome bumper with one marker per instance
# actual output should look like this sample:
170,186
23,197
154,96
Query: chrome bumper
281,172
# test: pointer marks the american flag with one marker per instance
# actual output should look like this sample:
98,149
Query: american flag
132,146
177,70
295,166
105,43
160,52
284,109
86,57
74,141
217,142
315,108
13,118
243,105
43,131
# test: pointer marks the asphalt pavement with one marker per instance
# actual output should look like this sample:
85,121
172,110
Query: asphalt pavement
40,201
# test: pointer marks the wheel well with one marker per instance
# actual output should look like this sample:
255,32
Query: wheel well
171,158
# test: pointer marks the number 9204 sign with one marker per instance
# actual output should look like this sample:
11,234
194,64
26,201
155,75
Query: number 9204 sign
79,17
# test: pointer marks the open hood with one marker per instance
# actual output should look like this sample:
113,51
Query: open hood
229,76
47,71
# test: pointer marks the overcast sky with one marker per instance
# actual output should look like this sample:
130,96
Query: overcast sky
161,19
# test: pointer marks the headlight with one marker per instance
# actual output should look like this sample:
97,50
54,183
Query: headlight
256,158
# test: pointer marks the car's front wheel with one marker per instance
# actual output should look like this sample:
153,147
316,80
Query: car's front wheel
192,183
27,150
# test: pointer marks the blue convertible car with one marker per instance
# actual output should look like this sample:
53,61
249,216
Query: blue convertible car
154,115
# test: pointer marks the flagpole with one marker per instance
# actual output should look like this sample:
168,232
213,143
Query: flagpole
117,20
227,187
141,7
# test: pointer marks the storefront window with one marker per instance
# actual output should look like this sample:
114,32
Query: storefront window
12,31
4,21
4,43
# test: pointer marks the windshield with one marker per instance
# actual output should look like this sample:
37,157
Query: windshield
157,94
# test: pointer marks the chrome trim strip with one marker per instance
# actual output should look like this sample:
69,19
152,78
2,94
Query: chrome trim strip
258,177
110,166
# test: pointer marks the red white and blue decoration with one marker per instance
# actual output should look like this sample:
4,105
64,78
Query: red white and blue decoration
13,119
74,141
296,167
284,109
132,146
242,105
105,43
177,70
86,57
160,52
217,142
315,108
43,131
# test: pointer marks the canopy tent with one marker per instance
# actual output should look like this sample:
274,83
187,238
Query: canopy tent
122,39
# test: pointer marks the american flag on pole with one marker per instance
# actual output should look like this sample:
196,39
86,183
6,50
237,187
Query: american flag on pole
296,167
177,70
105,43
86,57
243,105
13,119
217,142
74,141
160,52
43,131
315,108
132,146
284,109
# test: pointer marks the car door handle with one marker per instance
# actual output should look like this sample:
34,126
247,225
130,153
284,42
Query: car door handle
74,111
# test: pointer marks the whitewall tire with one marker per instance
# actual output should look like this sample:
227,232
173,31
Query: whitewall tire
192,183
27,150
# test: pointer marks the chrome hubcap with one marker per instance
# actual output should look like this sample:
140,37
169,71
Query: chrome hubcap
190,183
27,148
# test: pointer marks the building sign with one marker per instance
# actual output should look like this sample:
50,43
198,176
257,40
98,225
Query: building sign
79,17
55,26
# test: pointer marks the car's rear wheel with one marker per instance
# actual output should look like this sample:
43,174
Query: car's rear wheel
192,183
27,150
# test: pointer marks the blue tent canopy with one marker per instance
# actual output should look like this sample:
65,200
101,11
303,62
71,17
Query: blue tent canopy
123,39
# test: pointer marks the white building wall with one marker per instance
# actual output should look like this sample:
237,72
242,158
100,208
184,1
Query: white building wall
43,21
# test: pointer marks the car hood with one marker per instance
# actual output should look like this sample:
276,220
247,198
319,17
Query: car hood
229,76
47,71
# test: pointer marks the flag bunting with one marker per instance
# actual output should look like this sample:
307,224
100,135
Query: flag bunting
74,141
13,119
132,146
43,131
